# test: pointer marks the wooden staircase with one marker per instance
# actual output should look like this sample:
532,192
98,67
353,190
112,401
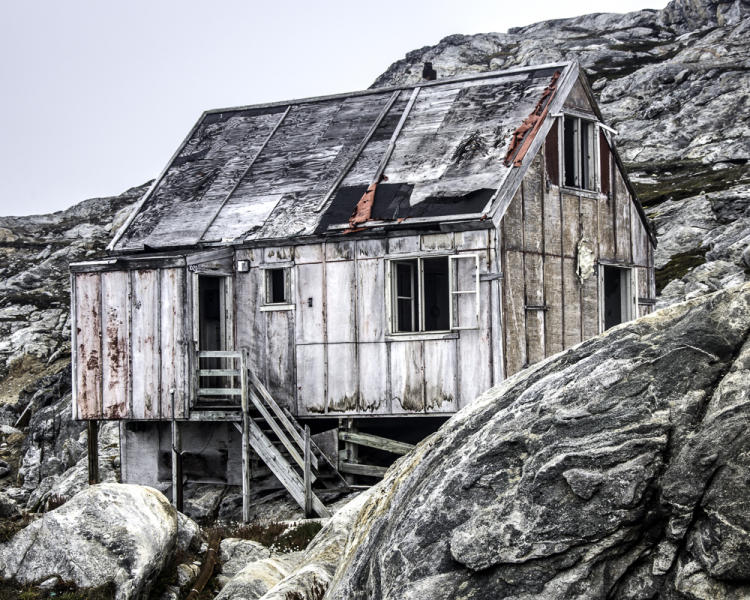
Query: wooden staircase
278,439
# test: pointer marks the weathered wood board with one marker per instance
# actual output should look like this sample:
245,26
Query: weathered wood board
535,308
407,377
88,324
515,314
115,347
145,343
440,375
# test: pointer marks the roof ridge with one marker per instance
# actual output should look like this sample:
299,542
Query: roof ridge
384,90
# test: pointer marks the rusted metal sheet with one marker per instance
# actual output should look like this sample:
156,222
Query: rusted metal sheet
88,340
145,332
523,136
115,344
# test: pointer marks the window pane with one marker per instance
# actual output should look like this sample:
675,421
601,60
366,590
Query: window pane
570,152
585,155
405,299
436,294
464,295
404,321
275,286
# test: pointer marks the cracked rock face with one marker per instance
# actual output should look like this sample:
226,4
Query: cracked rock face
617,469
107,534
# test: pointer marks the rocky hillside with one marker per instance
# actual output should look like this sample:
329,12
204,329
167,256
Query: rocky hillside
35,346
674,83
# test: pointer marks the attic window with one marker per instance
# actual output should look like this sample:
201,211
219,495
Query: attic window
579,150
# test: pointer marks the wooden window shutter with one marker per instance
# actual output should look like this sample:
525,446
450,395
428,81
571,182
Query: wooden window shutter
604,164
551,150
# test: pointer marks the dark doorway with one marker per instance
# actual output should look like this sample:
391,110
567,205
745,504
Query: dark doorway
211,313
616,296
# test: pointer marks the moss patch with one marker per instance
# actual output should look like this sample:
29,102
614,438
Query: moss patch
678,266
682,179
280,537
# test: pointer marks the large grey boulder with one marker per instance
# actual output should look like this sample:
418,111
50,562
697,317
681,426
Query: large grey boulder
107,534
617,469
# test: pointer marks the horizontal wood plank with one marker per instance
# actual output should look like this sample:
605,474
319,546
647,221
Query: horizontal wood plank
376,441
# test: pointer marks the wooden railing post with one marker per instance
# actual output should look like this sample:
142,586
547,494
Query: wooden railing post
245,439
308,478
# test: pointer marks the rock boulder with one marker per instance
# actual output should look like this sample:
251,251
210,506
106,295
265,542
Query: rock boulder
617,469
107,534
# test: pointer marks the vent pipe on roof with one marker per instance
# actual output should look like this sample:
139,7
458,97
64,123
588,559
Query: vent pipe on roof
428,73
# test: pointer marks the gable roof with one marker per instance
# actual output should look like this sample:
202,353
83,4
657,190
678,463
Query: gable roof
298,168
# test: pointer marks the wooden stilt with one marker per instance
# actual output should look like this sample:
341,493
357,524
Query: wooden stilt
177,479
351,450
308,478
245,440
93,447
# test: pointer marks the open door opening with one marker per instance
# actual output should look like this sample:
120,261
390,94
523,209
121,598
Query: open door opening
214,330
616,289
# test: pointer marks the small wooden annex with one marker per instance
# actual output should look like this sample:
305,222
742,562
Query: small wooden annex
349,264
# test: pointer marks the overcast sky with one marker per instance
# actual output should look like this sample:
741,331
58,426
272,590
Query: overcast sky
98,94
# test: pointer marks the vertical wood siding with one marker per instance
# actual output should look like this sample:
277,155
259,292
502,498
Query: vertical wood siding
132,339
343,358
541,231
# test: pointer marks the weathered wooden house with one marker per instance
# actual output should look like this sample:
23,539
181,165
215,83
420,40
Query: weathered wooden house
363,265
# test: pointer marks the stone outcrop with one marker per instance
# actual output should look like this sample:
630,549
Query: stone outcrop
616,469
109,534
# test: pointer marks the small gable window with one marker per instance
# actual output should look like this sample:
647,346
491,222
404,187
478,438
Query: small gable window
579,151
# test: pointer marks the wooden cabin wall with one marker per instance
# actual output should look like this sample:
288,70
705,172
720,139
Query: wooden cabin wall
130,341
546,307
332,353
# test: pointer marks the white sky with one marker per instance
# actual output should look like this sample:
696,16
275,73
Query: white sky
96,95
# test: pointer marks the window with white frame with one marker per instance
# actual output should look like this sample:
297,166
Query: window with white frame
277,286
434,293
579,152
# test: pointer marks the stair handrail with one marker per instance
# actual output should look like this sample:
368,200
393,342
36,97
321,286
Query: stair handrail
280,415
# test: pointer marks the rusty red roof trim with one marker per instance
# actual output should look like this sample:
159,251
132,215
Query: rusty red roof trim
526,131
